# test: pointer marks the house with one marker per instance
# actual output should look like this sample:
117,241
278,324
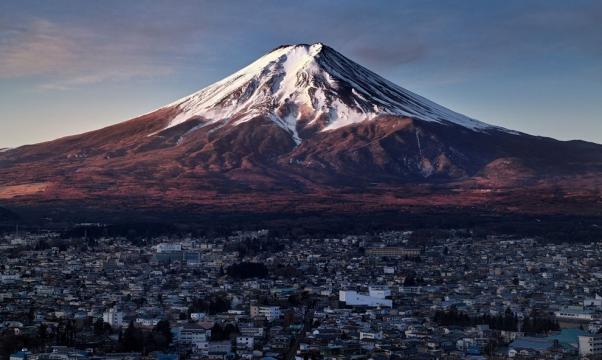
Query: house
271,313
353,298
589,345
113,317
574,313
20,355
244,342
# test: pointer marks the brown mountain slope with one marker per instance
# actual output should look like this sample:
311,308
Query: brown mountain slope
305,129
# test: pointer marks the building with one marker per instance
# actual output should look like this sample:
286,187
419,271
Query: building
393,251
353,298
197,316
192,258
219,349
168,257
380,292
24,354
113,317
574,313
166,247
245,342
161,356
595,302
194,334
271,313
147,322
590,345
371,335
253,331
530,347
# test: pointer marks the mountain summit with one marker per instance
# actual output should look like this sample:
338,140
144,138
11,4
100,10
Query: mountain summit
303,127
309,87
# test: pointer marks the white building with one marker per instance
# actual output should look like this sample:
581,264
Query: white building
575,313
595,302
113,317
354,299
167,247
590,345
371,335
195,335
380,292
147,322
9,277
197,316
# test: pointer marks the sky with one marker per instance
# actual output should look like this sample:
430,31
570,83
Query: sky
72,66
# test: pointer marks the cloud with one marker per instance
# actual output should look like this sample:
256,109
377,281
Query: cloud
114,75
37,49
70,56
119,41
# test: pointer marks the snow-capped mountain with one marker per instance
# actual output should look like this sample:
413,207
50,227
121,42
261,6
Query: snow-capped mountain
303,127
309,86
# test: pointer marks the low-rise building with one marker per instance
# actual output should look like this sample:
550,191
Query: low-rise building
590,345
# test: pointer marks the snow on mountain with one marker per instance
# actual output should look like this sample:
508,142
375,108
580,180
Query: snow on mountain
313,83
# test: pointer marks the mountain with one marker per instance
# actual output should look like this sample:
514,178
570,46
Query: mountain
304,128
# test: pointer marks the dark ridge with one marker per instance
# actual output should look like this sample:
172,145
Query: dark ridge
192,220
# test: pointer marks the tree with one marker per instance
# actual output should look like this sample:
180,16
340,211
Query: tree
132,339
213,305
219,332
293,300
99,327
164,329
245,270
31,314
42,331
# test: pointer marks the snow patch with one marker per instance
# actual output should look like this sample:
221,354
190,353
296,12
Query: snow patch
311,77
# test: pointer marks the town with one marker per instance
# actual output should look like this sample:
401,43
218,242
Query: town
254,294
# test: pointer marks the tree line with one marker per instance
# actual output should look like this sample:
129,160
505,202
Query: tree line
533,324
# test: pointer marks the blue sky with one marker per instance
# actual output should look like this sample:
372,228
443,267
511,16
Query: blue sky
72,66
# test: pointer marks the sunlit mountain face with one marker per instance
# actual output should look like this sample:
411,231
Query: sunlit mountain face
305,128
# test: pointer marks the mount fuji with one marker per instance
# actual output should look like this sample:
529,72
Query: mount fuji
305,128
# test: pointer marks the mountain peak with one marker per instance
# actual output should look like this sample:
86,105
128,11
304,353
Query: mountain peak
317,46
309,86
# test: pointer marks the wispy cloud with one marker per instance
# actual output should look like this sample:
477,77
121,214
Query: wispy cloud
39,48
62,57
115,75
118,41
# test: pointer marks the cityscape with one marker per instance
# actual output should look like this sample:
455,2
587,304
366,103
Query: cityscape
252,294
